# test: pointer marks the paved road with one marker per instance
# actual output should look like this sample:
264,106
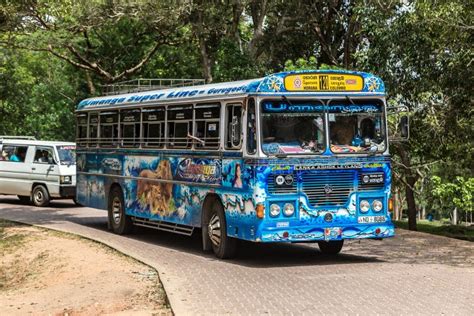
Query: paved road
413,273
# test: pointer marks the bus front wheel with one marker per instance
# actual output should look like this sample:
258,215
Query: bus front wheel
119,222
224,247
330,247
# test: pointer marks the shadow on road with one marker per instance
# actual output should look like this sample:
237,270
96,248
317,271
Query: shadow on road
407,247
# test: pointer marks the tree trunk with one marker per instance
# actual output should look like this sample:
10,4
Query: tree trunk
411,204
396,205
206,61
410,180
455,216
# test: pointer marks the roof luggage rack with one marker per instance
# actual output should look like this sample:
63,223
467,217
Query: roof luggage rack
143,84
3,137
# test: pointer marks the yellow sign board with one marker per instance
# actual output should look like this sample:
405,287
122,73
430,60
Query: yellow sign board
330,82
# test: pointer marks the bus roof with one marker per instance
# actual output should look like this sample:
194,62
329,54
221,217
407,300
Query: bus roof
303,82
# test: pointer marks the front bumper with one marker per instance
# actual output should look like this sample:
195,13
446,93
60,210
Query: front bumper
304,234
67,192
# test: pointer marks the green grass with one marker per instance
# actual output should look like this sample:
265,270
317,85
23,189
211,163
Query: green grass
9,242
441,228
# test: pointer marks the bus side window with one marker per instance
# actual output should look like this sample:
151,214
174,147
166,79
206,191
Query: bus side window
233,139
251,128
108,128
130,128
93,129
207,119
153,127
180,122
81,133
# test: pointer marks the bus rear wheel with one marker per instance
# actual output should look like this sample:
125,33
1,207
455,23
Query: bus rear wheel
224,247
119,222
330,247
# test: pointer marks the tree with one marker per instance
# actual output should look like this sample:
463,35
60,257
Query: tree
111,40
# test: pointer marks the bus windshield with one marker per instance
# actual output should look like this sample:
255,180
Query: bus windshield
356,127
292,128
67,154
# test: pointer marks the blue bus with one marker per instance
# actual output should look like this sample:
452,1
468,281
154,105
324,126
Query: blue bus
297,156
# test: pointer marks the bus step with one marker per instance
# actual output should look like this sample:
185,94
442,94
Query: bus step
160,225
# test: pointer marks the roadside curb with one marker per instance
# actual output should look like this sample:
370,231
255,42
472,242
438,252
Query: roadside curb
174,303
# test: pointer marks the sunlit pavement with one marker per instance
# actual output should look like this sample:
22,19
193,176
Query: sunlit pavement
413,273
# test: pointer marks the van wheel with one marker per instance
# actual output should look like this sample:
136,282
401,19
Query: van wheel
119,222
24,198
40,196
330,247
224,247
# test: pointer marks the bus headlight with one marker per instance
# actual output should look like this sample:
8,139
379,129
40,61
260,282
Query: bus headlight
65,179
377,206
274,210
364,206
288,209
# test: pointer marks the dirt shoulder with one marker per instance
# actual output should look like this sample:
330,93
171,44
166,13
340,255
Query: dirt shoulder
49,273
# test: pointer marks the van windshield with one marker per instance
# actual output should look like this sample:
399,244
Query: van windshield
67,154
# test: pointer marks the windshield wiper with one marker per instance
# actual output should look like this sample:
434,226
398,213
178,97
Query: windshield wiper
284,98
350,100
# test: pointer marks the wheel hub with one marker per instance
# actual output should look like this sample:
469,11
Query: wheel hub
214,230
116,210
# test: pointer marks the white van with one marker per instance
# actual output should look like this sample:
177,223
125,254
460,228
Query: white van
37,171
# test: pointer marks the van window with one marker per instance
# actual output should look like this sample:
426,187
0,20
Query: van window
44,155
14,153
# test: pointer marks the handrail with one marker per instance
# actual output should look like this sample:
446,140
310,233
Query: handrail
144,84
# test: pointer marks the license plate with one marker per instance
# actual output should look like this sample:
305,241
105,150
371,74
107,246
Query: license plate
332,233
370,219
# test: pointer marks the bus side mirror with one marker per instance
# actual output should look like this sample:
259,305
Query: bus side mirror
235,132
404,127
398,124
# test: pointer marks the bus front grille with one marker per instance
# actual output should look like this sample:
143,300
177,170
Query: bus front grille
328,188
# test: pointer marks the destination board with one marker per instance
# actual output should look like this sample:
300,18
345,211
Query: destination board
324,82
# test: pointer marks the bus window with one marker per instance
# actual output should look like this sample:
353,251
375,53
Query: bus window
108,128
207,125
179,126
251,128
233,139
93,129
81,133
130,128
153,127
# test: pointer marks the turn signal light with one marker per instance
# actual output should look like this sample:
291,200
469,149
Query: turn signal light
390,205
260,209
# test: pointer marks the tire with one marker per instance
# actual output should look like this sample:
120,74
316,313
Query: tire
119,222
224,247
76,203
330,247
24,198
40,196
